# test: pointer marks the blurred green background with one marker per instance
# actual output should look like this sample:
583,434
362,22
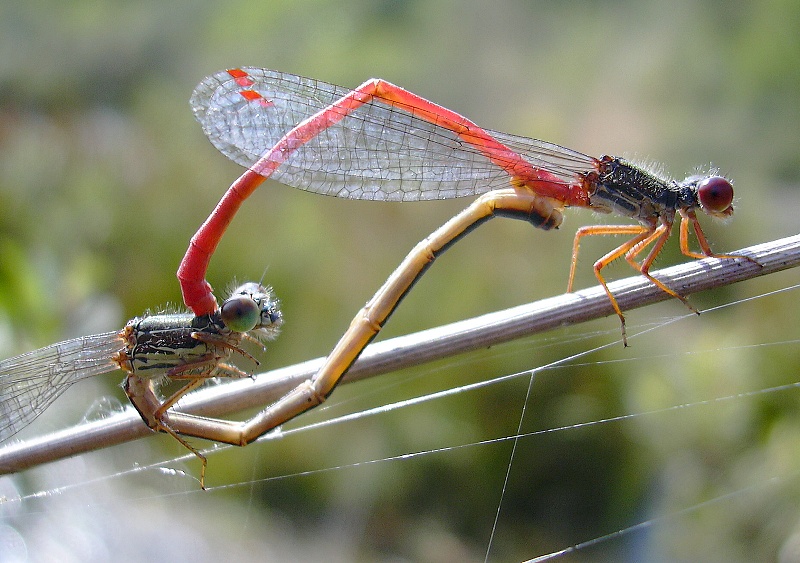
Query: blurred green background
105,175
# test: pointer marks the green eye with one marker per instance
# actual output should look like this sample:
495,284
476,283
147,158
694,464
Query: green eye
240,313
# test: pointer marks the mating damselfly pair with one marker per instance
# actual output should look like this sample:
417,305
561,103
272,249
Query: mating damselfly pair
377,142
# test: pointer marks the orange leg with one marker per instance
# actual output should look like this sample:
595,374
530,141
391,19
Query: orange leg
644,237
642,234
660,236
688,217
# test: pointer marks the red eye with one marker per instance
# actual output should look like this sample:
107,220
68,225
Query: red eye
715,194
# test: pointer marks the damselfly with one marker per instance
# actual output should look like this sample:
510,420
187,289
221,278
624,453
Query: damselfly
150,349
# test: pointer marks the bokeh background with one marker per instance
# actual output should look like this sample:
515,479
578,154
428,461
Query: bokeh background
105,175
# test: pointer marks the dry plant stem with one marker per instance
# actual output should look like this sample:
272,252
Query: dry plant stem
419,348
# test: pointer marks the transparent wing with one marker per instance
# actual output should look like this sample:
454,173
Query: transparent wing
380,151
30,382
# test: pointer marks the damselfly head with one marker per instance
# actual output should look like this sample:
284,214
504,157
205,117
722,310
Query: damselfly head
251,306
714,193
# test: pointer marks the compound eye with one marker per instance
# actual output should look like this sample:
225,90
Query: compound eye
240,313
715,194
